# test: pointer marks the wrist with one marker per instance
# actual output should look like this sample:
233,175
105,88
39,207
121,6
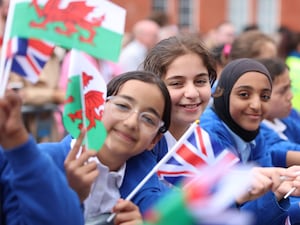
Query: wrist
16,139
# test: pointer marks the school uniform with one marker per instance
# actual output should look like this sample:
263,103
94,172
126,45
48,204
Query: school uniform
250,145
278,144
266,208
124,180
286,128
33,190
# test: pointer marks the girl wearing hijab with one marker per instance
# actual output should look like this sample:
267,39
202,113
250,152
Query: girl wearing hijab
240,104
190,89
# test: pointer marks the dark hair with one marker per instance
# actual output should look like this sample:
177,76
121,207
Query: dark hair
166,51
116,83
287,39
275,66
250,27
249,44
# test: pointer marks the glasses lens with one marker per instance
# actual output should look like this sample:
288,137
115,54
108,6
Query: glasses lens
123,108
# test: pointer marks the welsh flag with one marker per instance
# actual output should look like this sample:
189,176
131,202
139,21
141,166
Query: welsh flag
85,98
93,26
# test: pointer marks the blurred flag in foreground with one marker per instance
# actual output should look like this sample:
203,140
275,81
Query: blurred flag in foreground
85,98
204,200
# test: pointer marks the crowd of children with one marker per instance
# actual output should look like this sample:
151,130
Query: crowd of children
146,112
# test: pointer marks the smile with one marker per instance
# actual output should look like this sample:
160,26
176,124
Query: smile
191,106
125,136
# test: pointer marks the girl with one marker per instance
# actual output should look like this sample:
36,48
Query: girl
136,114
240,104
186,67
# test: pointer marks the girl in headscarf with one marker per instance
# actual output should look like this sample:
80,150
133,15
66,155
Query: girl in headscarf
240,104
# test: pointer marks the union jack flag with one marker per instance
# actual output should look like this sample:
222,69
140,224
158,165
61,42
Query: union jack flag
196,151
28,56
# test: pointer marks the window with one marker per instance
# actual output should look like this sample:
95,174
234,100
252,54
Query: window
238,13
159,5
267,14
185,13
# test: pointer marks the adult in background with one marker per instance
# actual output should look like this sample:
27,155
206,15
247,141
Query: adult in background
145,36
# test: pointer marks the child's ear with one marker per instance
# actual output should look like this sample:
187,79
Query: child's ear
156,139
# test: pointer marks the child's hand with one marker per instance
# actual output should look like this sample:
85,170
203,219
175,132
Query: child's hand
264,179
127,213
81,173
12,130
291,184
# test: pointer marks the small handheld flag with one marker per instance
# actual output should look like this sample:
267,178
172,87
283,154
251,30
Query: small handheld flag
85,98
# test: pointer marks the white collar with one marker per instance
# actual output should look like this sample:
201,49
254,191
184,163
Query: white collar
278,126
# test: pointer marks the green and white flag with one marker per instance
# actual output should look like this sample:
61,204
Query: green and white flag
93,26
85,98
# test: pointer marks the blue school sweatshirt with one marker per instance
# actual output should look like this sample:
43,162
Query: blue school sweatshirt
278,147
136,169
34,191
266,209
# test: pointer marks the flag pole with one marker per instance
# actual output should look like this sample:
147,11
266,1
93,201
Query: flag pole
161,162
73,59
84,119
4,75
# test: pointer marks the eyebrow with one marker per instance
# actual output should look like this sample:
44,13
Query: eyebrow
149,109
250,88
183,76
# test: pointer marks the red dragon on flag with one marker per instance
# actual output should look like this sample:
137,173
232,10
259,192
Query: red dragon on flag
85,98
73,16
93,100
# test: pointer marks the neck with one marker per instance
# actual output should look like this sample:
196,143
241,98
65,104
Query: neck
113,162
178,130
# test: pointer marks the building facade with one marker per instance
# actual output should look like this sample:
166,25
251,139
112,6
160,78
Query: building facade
203,15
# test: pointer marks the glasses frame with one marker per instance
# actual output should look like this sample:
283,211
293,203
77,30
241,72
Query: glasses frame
160,124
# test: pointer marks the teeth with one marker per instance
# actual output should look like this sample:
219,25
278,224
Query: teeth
190,106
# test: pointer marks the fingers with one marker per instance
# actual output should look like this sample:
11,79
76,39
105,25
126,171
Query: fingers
292,172
12,129
80,166
3,113
74,151
81,174
127,213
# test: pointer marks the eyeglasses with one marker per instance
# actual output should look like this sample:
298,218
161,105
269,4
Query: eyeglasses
123,108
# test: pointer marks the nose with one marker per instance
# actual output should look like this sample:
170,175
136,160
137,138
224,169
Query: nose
290,95
255,103
132,121
191,91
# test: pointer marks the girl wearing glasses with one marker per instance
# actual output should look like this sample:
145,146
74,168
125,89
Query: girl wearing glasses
186,67
136,114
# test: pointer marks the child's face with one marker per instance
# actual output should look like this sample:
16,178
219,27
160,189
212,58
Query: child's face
129,133
188,84
281,98
249,100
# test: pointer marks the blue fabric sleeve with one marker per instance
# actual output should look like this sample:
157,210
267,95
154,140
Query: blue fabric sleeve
294,213
267,210
40,188
136,169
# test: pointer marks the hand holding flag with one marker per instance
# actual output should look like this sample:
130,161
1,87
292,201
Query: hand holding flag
205,198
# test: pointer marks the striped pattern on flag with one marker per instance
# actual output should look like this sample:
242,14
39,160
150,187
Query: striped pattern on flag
28,56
